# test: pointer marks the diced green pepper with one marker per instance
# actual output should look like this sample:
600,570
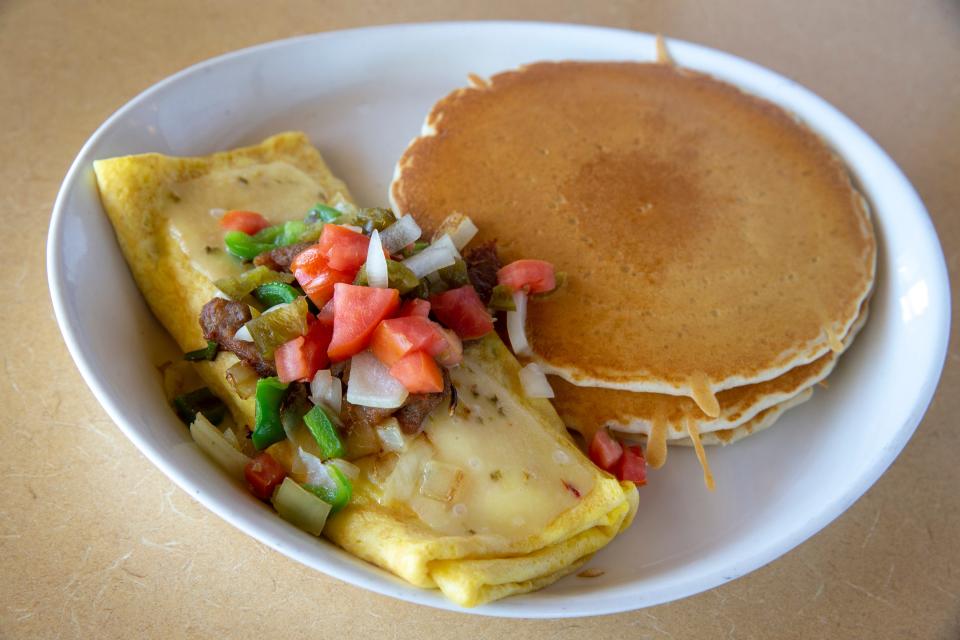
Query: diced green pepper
278,327
274,293
244,246
399,277
323,431
455,276
300,507
501,299
312,233
375,218
240,285
209,352
291,232
322,213
337,496
269,234
268,428
202,401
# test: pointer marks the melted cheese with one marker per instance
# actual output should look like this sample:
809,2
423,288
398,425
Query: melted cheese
515,481
694,433
277,190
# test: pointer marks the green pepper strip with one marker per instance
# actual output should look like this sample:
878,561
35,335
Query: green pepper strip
209,352
399,277
501,299
322,213
274,293
375,218
245,247
202,401
245,282
290,233
323,431
455,275
337,498
268,428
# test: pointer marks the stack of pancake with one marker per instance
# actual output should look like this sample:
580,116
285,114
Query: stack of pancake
718,258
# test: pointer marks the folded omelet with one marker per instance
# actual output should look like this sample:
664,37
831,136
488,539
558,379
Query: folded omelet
524,506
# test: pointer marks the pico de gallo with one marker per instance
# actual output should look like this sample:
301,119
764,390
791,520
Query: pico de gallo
345,324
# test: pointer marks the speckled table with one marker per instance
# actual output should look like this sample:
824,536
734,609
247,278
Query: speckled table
95,542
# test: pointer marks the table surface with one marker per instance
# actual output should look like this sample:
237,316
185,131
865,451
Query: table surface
94,541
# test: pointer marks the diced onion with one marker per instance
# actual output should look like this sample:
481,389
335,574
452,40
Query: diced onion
376,264
534,382
371,384
432,259
391,436
460,228
231,438
446,242
349,469
353,228
326,389
316,472
217,213
244,378
517,325
400,234
440,480
402,482
215,446
301,508
243,334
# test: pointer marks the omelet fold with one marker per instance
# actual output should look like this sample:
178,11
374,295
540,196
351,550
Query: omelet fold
533,507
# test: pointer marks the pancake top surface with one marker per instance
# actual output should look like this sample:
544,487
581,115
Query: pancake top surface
709,239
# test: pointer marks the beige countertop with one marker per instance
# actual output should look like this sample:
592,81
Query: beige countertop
96,542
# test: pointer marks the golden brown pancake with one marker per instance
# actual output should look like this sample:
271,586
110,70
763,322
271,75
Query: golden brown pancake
710,240
763,420
587,409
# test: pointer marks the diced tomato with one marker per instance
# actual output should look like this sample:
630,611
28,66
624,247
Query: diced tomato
415,307
249,222
263,475
395,338
452,352
632,466
315,275
418,372
463,311
533,276
357,312
326,313
301,358
604,450
345,250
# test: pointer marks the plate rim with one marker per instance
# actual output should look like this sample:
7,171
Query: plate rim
513,607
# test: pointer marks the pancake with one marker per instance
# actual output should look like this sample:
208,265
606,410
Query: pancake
586,409
710,240
758,423
530,507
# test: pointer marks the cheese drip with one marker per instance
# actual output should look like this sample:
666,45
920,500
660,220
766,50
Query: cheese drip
694,432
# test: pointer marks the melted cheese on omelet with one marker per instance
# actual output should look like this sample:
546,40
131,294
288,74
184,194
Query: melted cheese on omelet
529,507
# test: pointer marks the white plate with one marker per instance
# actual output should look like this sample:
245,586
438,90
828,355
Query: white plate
362,95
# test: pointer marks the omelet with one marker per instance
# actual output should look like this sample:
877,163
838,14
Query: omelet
521,506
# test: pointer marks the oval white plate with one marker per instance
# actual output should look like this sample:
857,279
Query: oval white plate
362,95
